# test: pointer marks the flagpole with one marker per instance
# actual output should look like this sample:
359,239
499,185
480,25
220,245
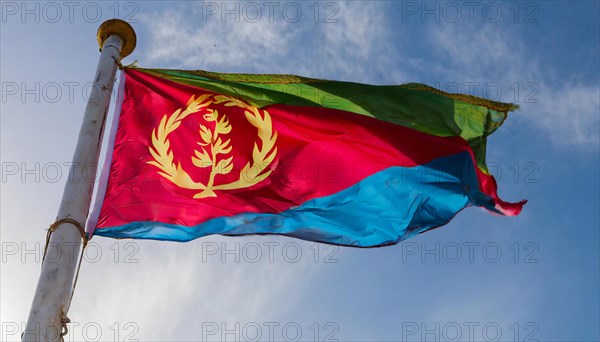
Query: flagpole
51,301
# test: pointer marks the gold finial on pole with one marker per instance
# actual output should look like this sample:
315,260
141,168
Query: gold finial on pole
120,28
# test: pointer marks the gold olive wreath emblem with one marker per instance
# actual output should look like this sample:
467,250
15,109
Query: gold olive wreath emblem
214,146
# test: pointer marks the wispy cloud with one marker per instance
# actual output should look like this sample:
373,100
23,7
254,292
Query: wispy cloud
567,110
570,114
215,44
348,42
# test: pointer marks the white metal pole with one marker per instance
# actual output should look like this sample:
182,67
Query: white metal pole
116,39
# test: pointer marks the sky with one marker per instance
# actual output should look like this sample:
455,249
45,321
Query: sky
534,277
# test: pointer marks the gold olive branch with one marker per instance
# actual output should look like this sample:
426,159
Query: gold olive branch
252,173
204,158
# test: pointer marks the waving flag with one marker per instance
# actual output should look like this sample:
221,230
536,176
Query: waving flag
199,153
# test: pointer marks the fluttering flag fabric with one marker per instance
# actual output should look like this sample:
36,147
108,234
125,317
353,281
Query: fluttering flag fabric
199,153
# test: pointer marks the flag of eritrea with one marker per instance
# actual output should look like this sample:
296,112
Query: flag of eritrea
197,153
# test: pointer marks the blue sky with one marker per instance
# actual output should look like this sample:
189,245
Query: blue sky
481,277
